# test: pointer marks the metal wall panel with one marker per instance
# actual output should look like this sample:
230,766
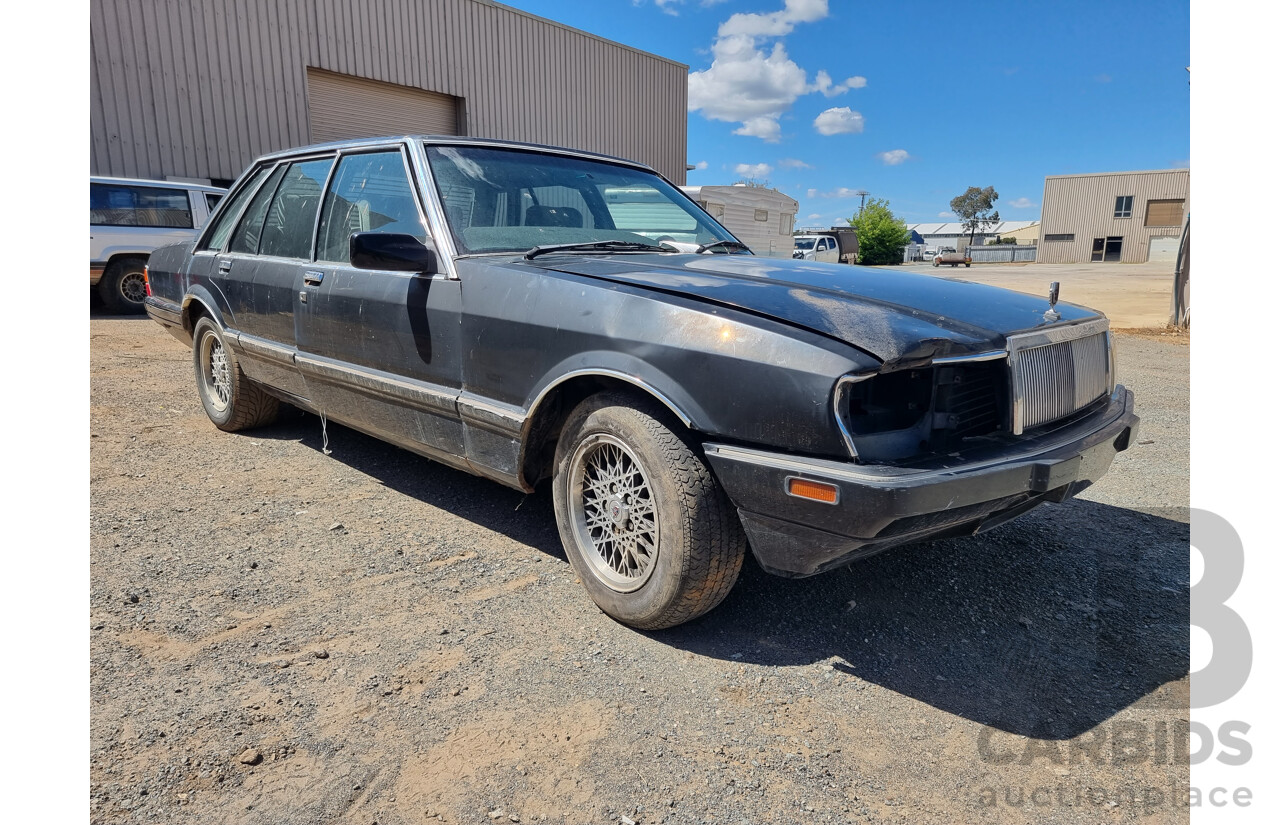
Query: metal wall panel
1083,205
198,90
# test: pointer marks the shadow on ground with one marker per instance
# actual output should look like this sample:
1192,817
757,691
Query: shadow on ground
1043,627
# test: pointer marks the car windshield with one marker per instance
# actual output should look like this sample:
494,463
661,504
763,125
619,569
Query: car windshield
804,243
511,200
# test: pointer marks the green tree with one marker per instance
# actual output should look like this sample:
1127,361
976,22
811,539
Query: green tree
976,209
881,235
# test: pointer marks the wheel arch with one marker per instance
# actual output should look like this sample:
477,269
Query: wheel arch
196,303
553,403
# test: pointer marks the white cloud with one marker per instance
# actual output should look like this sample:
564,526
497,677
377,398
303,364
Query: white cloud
712,2
947,214
893,157
812,217
764,127
841,192
1102,78
839,121
811,193
822,83
664,6
754,83
753,170
777,23
792,163
1021,203
700,165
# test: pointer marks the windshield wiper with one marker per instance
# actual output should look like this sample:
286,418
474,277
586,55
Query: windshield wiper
595,246
726,244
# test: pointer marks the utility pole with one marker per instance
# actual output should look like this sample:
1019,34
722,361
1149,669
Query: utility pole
862,193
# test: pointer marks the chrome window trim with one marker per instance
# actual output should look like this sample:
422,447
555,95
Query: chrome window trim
429,195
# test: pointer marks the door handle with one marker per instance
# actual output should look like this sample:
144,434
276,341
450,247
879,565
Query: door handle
312,277
224,266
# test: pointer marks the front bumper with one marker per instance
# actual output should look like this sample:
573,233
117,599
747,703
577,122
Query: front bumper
880,506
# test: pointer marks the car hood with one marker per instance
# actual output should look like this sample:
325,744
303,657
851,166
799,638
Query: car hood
902,318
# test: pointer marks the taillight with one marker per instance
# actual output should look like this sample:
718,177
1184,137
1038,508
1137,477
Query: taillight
146,279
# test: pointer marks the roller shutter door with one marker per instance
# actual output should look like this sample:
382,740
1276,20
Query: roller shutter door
1162,249
344,107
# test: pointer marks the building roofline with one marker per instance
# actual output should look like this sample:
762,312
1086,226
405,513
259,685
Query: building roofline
559,25
1116,174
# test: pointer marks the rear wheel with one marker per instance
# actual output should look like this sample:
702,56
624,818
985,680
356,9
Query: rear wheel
231,401
123,287
644,523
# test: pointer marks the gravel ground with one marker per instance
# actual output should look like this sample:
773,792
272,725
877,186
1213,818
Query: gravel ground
281,636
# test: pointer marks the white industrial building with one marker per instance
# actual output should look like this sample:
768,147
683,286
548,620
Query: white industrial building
956,236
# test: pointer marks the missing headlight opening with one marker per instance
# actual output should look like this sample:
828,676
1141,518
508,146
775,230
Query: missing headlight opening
905,414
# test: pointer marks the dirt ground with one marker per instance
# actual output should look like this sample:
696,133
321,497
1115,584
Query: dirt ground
283,636
1131,295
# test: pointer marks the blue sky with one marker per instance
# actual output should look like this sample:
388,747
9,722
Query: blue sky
914,102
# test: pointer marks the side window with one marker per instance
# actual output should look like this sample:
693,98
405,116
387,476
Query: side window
245,238
291,219
211,201
369,193
122,205
217,236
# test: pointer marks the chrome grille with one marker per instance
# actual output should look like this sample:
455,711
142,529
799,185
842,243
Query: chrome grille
1058,371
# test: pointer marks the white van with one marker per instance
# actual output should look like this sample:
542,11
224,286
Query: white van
129,218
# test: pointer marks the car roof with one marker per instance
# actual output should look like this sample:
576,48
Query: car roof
164,184
445,140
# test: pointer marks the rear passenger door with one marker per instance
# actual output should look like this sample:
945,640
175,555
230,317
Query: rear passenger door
210,268
284,251
378,349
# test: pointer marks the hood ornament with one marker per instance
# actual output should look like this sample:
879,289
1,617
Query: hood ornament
1052,314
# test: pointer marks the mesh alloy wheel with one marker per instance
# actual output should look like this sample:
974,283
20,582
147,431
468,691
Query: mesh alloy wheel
615,520
215,371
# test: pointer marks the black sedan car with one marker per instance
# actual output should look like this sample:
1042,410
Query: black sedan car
528,313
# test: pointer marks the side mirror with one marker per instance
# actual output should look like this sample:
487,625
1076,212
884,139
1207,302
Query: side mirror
393,252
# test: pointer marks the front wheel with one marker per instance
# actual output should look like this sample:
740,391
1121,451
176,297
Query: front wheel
231,400
644,522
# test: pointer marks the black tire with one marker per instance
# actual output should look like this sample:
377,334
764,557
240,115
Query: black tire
966,266
684,526
231,400
123,287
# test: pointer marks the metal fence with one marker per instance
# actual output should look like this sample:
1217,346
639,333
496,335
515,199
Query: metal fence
1002,254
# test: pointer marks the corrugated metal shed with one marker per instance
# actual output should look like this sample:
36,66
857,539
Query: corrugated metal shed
1081,209
199,89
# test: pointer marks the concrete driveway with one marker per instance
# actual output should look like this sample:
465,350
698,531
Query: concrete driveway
1133,296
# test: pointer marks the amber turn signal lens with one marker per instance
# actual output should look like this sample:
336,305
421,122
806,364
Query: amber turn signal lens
815,490
146,279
